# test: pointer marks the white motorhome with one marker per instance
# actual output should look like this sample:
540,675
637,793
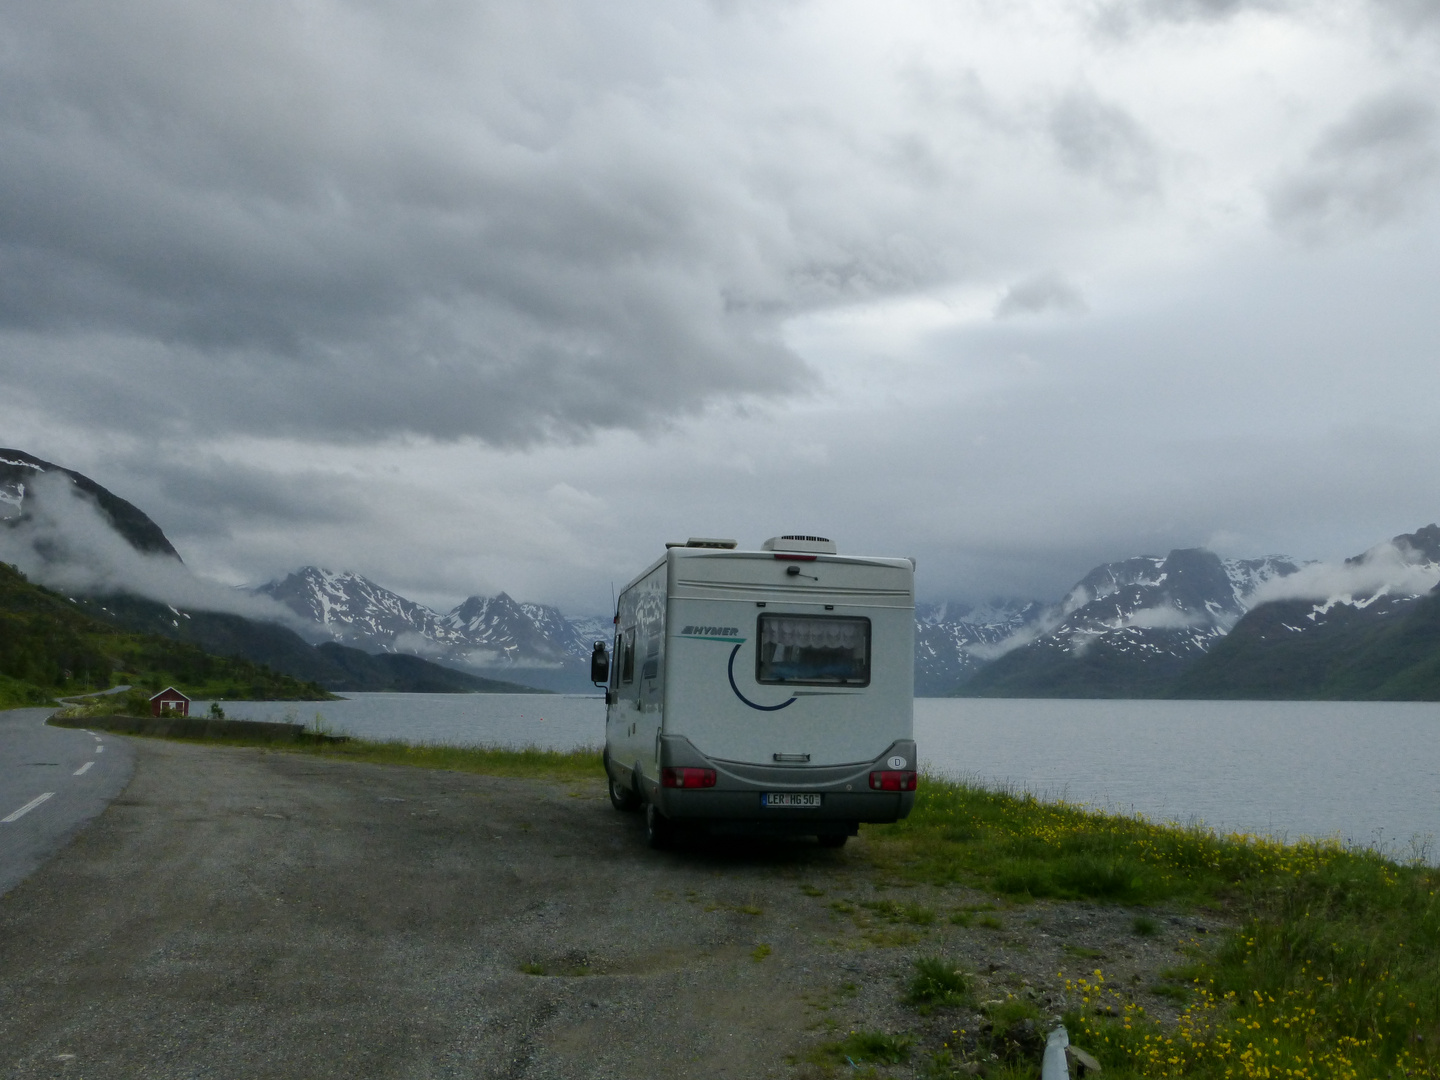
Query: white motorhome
762,692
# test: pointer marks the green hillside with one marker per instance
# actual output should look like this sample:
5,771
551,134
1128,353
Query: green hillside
1101,671
49,647
1355,655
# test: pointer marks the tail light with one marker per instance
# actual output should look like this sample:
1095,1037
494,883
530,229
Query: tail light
687,777
892,780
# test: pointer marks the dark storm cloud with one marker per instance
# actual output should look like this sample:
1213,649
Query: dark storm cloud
1038,294
1372,166
1187,10
1124,16
1412,14
324,218
207,496
1100,139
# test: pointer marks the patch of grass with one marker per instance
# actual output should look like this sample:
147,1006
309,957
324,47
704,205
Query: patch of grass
1173,991
990,922
962,918
1012,1010
1013,1070
890,937
1080,952
865,1048
811,890
760,952
938,983
945,1065
533,969
894,912
1145,926
1334,971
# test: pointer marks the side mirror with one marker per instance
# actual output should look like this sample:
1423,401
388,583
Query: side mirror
599,665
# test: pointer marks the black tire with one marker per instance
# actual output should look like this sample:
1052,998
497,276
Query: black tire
832,840
659,830
623,798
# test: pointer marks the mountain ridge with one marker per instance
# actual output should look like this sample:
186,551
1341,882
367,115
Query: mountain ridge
18,473
1260,642
493,634
1185,623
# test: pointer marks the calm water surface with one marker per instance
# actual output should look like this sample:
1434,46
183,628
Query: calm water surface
1367,772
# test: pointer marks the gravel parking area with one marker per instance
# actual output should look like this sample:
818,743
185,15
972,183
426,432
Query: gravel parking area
243,913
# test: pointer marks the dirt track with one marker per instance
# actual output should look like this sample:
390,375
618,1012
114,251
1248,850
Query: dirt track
241,913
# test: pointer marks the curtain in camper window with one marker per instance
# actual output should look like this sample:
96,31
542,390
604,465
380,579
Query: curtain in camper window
831,650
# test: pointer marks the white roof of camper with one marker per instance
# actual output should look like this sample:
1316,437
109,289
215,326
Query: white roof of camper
705,548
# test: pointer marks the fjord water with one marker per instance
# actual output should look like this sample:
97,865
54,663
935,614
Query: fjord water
1368,772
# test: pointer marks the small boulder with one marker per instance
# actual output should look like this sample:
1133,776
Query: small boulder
1081,1062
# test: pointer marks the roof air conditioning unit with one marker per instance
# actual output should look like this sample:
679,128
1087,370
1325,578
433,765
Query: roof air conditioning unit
811,545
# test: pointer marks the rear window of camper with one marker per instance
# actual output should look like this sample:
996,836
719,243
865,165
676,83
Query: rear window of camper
827,650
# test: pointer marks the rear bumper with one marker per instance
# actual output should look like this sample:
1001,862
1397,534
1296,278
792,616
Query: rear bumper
735,803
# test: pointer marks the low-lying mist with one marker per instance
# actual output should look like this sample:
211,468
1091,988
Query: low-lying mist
64,542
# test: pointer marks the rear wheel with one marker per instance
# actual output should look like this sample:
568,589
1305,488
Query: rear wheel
623,797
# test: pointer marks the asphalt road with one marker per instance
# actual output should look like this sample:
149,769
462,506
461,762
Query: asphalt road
52,781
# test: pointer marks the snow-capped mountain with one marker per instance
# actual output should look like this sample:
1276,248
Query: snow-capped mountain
499,631
1136,623
1368,628
1179,603
353,608
953,640
481,632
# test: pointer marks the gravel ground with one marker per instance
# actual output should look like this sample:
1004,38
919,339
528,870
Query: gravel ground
243,913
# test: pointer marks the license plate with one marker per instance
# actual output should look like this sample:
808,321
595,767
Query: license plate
803,800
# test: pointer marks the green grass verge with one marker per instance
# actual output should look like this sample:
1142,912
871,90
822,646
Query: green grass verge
1334,972
527,763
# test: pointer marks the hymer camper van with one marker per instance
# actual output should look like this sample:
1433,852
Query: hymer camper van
762,692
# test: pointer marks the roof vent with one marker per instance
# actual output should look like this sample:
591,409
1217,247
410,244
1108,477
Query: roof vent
706,542
817,545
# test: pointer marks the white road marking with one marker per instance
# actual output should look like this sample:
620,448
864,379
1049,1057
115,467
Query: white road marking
83,769
26,808
100,749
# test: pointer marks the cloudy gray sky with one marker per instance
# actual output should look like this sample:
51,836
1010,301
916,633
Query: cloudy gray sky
477,296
